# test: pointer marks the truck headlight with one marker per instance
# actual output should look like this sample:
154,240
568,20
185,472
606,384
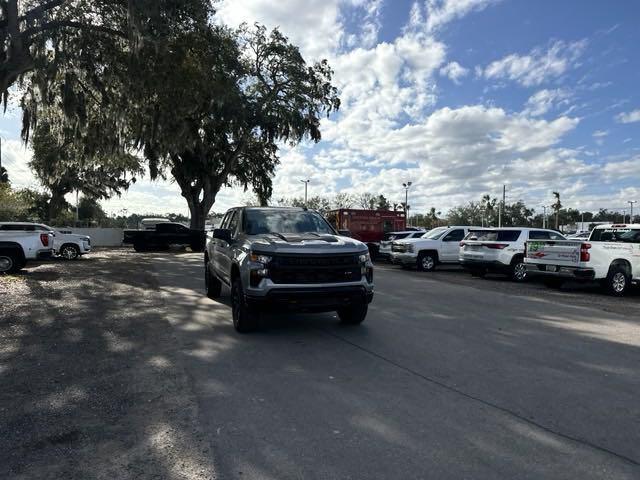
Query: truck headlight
409,247
364,257
260,258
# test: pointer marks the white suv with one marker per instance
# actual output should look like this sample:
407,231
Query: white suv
500,250
67,245
437,246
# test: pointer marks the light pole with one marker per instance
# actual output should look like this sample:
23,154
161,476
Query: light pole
406,202
306,183
544,216
631,202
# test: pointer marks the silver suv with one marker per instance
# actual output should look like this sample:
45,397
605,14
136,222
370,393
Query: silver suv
283,259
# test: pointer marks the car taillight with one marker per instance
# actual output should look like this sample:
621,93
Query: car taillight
496,246
585,256
44,238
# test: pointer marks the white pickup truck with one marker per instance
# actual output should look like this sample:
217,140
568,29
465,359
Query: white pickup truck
16,248
437,246
66,244
610,256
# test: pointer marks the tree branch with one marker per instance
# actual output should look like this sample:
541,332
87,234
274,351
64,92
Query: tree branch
41,9
71,24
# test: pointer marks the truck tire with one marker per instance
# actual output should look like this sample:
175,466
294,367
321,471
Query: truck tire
245,319
518,269
10,261
139,247
617,281
212,285
354,315
70,252
426,262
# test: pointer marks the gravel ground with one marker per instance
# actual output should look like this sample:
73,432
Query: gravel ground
93,385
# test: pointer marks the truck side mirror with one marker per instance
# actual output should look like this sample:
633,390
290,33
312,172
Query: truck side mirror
344,233
222,234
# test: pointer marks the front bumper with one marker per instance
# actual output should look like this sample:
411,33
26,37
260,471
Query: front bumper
313,299
406,258
573,273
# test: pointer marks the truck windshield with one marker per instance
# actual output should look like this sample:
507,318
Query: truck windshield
284,221
436,233
615,235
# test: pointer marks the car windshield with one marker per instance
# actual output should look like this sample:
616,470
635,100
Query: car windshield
284,221
435,234
493,235
627,235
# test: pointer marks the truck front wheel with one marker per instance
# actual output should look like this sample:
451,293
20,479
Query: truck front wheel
353,315
617,281
245,319
426,262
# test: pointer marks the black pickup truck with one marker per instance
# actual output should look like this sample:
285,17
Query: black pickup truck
164,235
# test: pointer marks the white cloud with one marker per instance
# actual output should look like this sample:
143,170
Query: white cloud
454,71
441,12
629,117
537,66
544,100
15,157
599,136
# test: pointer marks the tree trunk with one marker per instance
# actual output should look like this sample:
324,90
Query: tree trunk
56,205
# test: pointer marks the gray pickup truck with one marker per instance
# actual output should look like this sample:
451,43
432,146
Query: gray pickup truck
284,259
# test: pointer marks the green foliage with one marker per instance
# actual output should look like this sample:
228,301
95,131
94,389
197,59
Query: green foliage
383,203
62,167
4,175
89,210
11,206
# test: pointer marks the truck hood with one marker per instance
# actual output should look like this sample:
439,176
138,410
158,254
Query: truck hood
421,241
305,243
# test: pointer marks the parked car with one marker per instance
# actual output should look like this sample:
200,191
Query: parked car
17,247
437,246
610,256
67,245
500,250
284,259
163,235
385,244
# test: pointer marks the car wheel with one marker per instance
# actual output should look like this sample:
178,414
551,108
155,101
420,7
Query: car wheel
244,318
426,262
70,252
353,315
8,263
138,247
213,286
518,270
617,281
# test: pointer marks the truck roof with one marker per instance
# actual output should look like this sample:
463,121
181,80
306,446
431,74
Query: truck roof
617,225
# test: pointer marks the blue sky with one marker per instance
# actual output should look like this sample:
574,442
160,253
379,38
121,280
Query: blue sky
459,96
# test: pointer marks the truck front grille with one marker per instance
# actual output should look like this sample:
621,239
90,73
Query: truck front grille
292,269
398,247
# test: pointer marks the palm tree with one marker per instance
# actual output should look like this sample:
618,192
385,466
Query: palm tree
556,207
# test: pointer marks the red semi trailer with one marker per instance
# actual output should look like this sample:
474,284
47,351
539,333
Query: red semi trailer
368,226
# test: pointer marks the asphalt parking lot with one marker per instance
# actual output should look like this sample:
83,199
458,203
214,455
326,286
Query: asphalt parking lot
118,366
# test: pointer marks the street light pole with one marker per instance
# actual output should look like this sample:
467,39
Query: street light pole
406,202
544,216
631,202
306,183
